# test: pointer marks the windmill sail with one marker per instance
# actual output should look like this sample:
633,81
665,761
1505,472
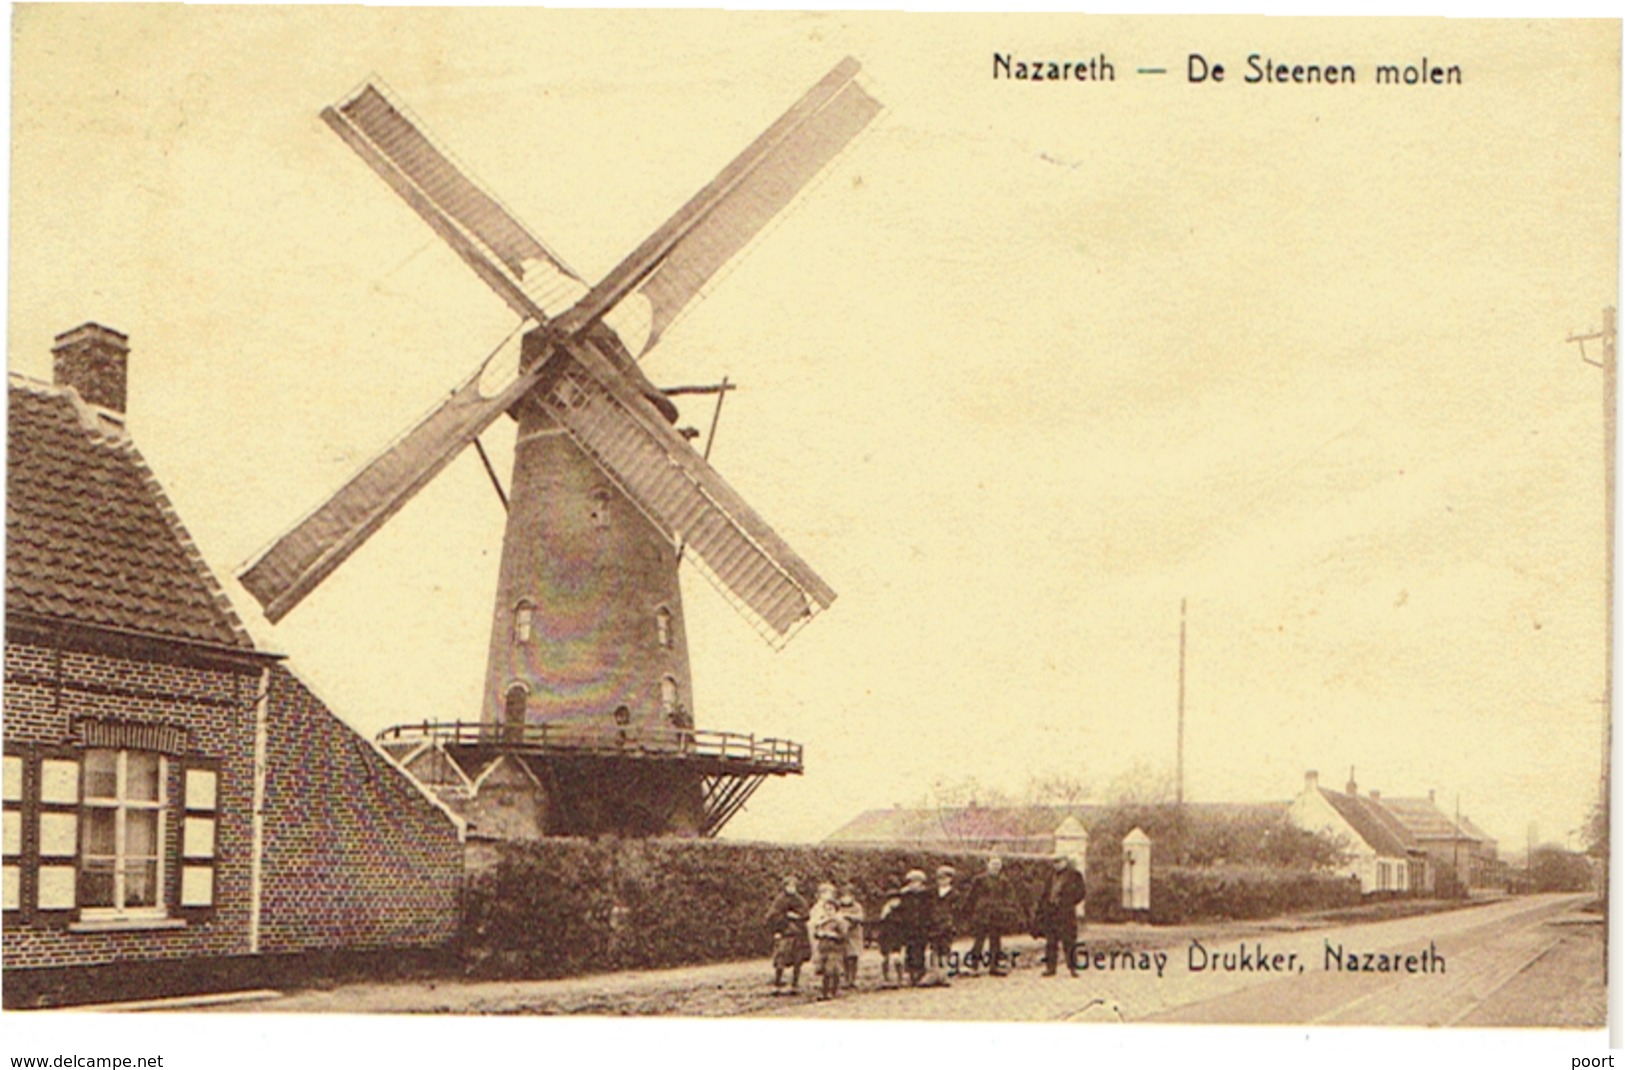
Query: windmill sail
595,401
282,575
757,200
675,262
687,500
509,258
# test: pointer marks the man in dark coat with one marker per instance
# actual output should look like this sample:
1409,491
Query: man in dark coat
990,911
1056,916
944,919
787,920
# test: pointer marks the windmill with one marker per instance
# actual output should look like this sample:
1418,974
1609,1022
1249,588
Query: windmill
587,704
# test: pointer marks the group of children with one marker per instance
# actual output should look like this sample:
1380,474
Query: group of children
830,933
915,919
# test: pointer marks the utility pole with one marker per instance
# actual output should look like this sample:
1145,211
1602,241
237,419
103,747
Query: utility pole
1179,783
1607,336
1455,846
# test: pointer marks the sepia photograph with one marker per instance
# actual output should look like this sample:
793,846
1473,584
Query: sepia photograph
1093,520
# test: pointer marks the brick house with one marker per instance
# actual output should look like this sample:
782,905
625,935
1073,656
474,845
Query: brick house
172,795
1456,855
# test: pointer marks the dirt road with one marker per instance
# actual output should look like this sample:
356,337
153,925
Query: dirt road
1438,969
1527,961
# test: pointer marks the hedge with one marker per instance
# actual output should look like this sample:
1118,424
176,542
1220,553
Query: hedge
559,907
1183,894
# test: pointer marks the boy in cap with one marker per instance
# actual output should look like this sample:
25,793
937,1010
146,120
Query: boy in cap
889,935
913,916
827,925
852,910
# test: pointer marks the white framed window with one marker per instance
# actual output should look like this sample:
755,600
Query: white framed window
671,704
524,616
121,864
663,627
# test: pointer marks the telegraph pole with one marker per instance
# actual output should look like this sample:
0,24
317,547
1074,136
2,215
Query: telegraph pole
1455,848
1607,336
1179,783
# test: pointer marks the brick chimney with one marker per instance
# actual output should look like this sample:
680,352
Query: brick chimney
1311,780
1430,795
94,360
1351,787
1376,796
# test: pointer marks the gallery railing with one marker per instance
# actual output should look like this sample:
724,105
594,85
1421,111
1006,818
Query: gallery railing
777,755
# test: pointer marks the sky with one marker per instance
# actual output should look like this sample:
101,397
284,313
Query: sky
1033,364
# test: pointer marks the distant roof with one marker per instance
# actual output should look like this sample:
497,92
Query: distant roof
1002,824
900,825
91,538
1473,831
1425,821
1386,836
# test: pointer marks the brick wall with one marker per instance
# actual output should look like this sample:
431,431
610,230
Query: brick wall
47,685
356,856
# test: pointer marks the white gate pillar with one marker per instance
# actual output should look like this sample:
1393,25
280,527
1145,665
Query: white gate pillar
1137,871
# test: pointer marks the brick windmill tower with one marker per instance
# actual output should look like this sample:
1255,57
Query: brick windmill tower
586,724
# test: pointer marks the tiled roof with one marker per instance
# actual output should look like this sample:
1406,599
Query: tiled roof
1473,831
1391,823
1370,823
900,825
1424,819
91,538
956,824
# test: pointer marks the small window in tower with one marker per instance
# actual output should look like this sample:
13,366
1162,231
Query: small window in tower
523,616
669,701
599,510
663,627
514,702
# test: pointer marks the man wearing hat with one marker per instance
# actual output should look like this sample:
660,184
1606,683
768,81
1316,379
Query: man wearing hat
1055,918
990,911
944,913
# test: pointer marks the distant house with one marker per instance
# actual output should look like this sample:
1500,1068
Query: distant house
1455,854
1442,856
171,793
1489,870
1382,856
1036,829
1000,829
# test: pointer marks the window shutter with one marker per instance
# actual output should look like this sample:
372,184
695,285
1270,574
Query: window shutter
11,872
200,802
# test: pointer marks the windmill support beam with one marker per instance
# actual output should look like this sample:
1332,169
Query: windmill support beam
727,802
490,470
716,388
666,781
